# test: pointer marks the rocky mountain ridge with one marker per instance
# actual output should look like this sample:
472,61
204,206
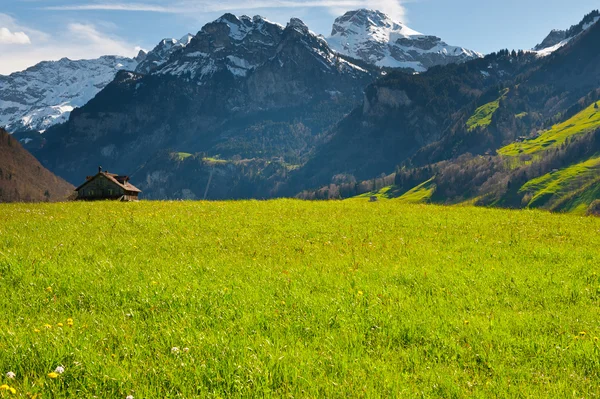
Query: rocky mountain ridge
45,94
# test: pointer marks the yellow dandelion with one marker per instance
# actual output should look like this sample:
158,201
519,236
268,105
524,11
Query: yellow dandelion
4,387
466,322
154,283
60,324
70,322
582,333
53,375
49,289
35,330
12,390
47,326
360,293
595,338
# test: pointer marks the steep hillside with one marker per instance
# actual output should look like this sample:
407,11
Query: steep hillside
582,123
475,107
242,88
402,115
23,178
571,189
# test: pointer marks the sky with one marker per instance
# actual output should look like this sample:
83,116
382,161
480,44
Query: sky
35,30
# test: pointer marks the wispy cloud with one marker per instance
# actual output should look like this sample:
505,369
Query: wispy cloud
77,41
392,7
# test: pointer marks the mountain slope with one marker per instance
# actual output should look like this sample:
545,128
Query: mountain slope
559,38
476,107
243,87
45,94
23,178
374,37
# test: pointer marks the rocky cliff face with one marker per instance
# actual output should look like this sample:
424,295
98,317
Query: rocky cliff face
374,37
161,53
45,94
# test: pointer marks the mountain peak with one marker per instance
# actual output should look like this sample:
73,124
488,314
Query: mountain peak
374,37
559,38
364,18
298,24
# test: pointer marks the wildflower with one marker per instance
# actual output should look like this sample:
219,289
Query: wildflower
47,326
186,349
360,293
10,375
60,324
53,375
129,397
4,387
48,289
174,349
582,334
35,330
12,390
466,322
70,322
59,370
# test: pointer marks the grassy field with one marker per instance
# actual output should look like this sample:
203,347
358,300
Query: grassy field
483,115
582,123
297,299
571,189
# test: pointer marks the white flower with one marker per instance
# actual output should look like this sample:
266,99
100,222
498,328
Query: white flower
174,349
59,370
129,397
186,349
10,375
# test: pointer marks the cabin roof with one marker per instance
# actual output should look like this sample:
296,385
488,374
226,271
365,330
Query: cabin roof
121,181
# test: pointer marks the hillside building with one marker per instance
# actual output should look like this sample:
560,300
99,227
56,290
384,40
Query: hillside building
107,186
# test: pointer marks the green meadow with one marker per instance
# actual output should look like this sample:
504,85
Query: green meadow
482,116
297,299
582,123
571,189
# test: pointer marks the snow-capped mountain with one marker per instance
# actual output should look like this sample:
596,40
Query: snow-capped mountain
46,93
243,45
374,37
560,38
161,53
242,86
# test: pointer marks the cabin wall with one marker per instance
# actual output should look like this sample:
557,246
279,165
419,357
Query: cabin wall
100,188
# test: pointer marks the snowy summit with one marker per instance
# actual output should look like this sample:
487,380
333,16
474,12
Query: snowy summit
374,37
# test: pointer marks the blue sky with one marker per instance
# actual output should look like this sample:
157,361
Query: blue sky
36,30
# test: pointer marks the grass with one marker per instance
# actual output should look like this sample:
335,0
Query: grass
297,299
385,193
420,194
521,115
582,123
181,156
570,189
483,115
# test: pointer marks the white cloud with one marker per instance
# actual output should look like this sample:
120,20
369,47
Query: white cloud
8,37
77,41
393,7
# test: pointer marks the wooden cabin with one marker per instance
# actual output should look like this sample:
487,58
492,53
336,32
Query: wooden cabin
107,186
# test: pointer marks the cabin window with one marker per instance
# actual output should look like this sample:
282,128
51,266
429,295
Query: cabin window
110,192
91,192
